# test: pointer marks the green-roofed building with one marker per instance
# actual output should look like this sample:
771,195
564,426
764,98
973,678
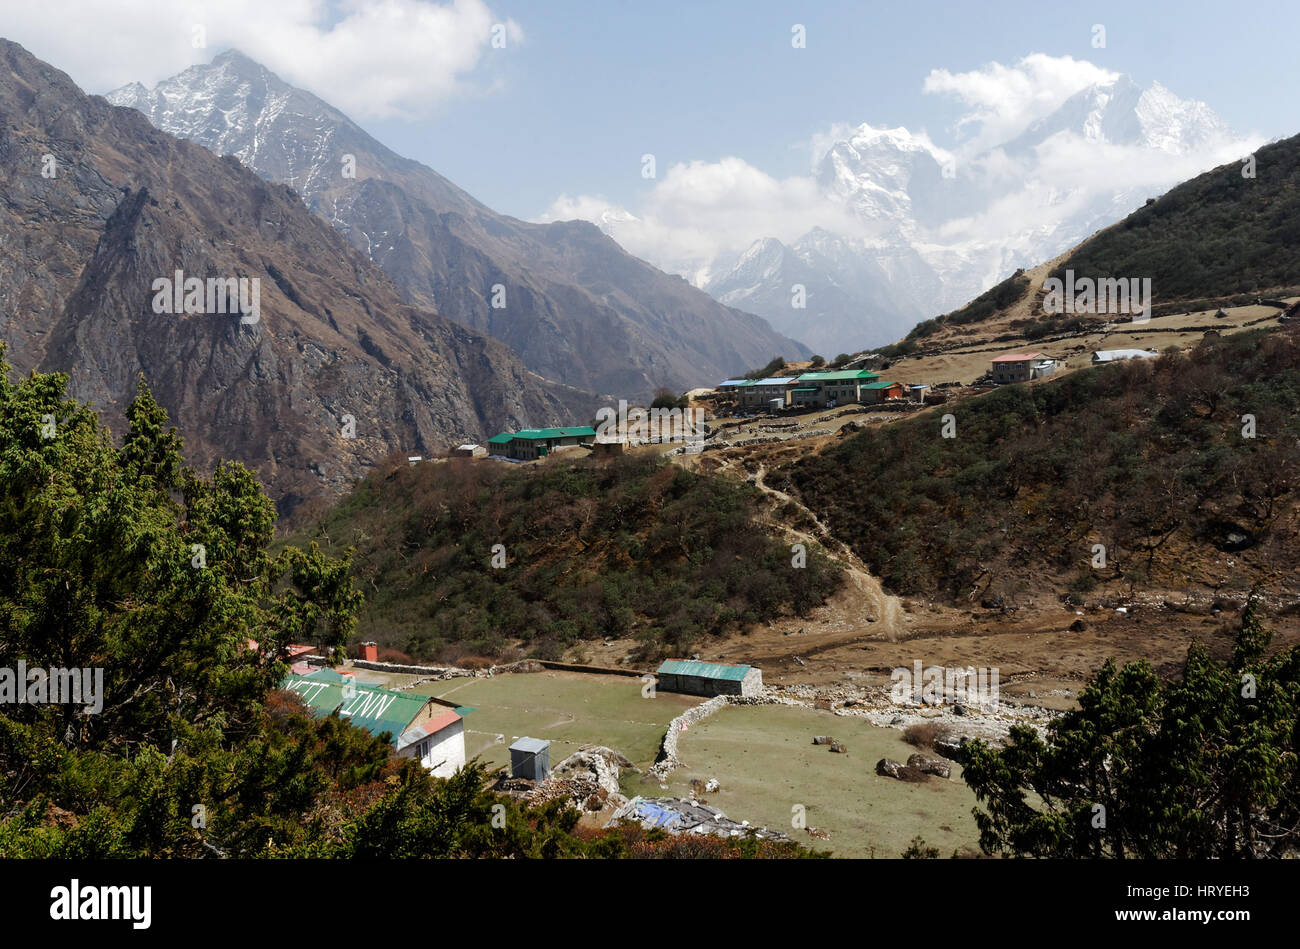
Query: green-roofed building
531,443
884,391
840,386
708,678
416,725
806,396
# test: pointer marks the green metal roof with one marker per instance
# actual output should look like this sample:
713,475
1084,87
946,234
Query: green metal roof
849,375
881,385
745,382
809,389
532,434
502,439
366,706
706,670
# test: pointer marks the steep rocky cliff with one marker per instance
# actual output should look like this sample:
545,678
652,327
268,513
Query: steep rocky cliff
97,205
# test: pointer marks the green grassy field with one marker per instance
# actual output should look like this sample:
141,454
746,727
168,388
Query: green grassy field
567,708
765,762
763,757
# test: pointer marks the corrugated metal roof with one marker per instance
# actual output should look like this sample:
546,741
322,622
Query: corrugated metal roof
733,382
425,729
881,385
705,670
1019,357
530,745
776,381
366,706
536,433
839,375
502,439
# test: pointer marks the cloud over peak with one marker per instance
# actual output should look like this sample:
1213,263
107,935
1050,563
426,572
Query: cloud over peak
370,58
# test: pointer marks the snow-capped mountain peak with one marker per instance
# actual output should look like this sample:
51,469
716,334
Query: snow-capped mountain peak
936,232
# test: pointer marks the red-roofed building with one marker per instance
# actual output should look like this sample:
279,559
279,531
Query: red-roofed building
438,744
1021,367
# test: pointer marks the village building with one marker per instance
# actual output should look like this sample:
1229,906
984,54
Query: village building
533,443
1118,355
417,726
772,393
731,385
469,450
608,447
833,387
874,393
708,678
1021,367
639,425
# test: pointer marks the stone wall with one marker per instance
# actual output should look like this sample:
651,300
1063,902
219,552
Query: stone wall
668,761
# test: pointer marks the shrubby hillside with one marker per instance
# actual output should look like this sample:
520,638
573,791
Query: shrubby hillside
628,547
1146,457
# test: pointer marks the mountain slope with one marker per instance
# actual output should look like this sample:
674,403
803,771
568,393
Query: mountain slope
1146,458
1218,234
1217,239
576,306
129,205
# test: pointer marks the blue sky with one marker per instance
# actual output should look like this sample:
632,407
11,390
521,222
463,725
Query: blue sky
584,89
593,87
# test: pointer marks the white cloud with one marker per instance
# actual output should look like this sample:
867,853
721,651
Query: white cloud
1005,100
700,210
371,58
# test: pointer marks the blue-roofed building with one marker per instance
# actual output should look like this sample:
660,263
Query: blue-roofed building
769,393
708,678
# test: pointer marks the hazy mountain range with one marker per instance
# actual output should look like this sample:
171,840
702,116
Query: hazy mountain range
572,303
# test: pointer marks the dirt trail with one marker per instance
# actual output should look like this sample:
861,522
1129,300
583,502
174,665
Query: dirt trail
886,608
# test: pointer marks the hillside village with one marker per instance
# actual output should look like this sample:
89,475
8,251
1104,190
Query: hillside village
1033,563
792,393
804,408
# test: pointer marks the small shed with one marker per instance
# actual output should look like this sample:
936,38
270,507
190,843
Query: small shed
469,450
882,391
530,758
708,678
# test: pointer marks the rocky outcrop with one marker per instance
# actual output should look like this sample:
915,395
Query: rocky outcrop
588,779
928,765
889,768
